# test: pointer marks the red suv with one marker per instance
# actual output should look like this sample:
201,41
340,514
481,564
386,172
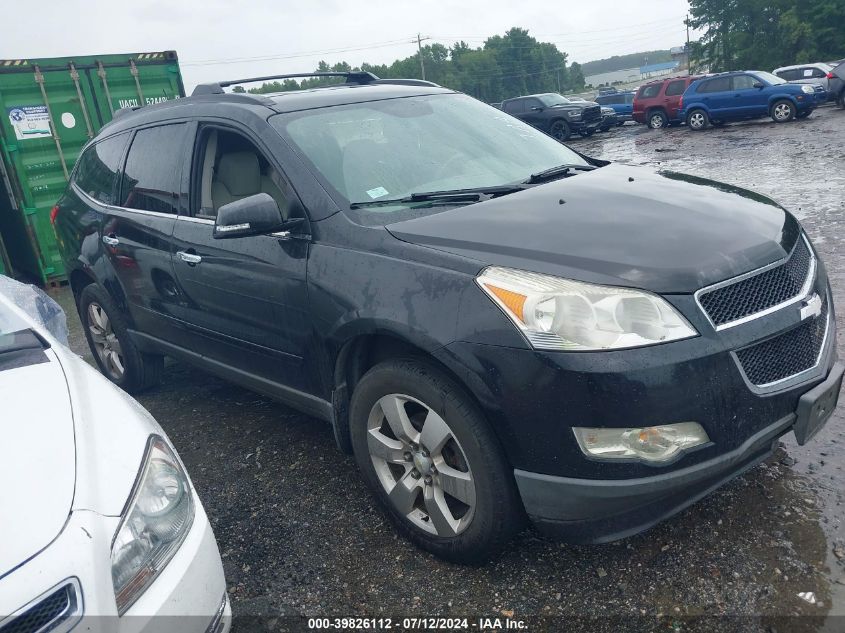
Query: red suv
658,103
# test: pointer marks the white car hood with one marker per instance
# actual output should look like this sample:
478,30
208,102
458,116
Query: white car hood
38,460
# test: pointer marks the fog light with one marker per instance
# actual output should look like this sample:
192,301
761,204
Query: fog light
650,444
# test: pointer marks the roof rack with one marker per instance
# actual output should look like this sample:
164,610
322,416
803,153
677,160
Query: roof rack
216,88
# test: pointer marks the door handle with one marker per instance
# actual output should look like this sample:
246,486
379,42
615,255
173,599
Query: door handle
110,240
192,259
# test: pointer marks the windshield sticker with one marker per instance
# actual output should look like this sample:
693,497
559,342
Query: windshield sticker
378,192
30,122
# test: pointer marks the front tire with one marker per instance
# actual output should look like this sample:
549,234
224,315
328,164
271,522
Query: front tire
108,337
782,111
429,456
657,120
697,120
561,130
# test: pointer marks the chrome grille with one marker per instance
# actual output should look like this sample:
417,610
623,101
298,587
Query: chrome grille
786,355
762,291
56,610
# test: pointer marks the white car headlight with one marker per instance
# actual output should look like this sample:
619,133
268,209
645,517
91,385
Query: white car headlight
807,89
650,444
561,314
156,520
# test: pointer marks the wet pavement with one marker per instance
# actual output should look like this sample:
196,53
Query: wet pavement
299,533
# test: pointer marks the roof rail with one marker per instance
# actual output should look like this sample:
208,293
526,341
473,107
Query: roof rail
407,82
216,88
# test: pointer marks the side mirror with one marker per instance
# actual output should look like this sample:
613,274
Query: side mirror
758,85
253,215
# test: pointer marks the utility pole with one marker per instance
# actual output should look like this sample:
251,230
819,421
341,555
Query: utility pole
420,40
686,49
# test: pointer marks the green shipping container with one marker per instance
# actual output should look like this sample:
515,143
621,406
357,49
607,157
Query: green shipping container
49,109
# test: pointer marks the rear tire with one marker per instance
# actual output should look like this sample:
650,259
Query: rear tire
657,120
116,355
697,120
782,111
560,130
455,496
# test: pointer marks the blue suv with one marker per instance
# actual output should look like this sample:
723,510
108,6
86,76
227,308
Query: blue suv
621,102
743,95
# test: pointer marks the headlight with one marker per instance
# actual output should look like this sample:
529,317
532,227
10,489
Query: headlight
157,518
561,314
650,444
573,114
807,89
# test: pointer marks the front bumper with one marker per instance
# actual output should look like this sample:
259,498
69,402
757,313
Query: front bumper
189,594
598,511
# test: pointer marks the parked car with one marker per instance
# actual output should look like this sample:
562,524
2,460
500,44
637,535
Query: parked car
608,90
658,103
837,83
745,95
608,118
811,74
555,114
100,517
621,102
475,308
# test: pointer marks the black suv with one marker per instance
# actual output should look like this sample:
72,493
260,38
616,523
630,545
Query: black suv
492,323
556,115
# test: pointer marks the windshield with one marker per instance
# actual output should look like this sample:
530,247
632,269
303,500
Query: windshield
770,79
554,99
392,148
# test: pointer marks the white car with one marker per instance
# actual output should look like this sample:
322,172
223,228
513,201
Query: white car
99,517
814,74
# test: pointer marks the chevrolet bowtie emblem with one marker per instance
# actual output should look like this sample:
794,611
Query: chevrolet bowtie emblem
811,307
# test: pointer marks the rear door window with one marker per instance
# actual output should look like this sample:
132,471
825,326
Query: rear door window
515,107
676,88
719,84
153,169
97,168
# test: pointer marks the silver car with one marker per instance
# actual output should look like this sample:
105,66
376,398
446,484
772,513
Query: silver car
819,74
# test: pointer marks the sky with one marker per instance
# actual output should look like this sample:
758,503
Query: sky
219,39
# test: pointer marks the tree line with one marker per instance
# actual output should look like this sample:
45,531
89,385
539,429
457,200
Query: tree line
504,66
766,34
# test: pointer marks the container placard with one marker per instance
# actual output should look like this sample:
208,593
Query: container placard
30,122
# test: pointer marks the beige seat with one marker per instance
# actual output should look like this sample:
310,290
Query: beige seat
238,175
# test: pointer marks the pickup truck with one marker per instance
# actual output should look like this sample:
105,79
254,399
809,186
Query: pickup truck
555,114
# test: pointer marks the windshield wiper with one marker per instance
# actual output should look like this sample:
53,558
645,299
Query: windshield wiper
553,173
451,196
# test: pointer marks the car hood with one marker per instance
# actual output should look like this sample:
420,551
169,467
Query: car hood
38,468
628,226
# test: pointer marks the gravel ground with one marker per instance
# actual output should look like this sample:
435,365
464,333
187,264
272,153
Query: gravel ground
299,533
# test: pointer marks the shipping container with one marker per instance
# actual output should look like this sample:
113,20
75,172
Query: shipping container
49,109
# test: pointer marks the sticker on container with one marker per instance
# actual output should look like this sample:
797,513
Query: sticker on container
68,120
378,192
30,122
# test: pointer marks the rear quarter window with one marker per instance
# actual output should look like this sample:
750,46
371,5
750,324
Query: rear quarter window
647,92
97,168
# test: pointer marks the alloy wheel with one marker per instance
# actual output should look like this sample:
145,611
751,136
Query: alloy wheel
105,341
696,120
656,121
559,131
421,465
783,112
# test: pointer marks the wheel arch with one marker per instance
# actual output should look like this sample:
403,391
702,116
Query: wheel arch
363,351
78,279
